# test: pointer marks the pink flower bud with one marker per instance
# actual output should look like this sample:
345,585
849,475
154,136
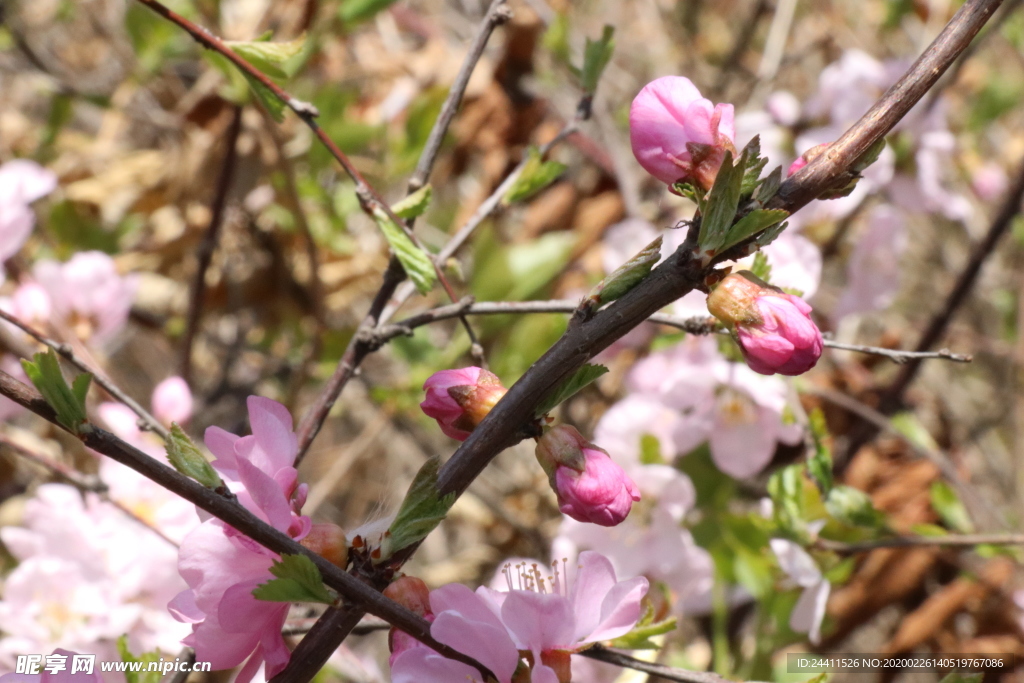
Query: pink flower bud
589,485
774,329
329,542
460,399
411,593
172,401
807,157
677,134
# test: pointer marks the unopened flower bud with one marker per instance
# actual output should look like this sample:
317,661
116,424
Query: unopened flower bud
807,157
678,135
460,399
774,329
589,485
328,541
411,593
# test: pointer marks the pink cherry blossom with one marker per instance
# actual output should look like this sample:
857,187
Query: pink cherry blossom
460,399
222,566
989,181
677,134
786,342
21,182
809,611
172,401
874,269
589,485
88,294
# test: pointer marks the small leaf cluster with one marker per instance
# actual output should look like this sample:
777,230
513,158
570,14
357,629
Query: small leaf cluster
67,401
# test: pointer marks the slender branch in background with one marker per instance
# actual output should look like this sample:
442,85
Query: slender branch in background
775,43
148,422
1009,210
959,541
359,347
232,513
83,482
660,671
204,254
811,180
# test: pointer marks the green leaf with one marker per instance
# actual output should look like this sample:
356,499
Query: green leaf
753,167
271,102
414,205
853,507
950,508
67,402
298,580
761,268
354,11
639,637
423,508
596,56
189,460
273,59
628,275
416,263
537,174
753,223
579,379
819,466
769,187
723,201
907,424
142,675
769,235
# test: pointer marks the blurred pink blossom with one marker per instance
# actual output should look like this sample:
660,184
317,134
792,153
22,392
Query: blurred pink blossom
809,611
222,566
589,485
21,182
677,134
989,181
88,294
460,399
172,401
873,271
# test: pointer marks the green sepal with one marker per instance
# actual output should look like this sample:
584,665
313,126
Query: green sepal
416,263
67,402
579,379
185,457
422,510
298,580
536,175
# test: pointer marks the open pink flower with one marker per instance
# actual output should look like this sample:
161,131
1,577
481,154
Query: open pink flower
21,182
774,329
460,399
88,293
542,615
222,566
589,485
677,134
172,401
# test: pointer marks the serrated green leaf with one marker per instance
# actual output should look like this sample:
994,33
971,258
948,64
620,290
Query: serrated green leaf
417,264
142,674
536,175
819,466
640,637
596,56
853,507
298,580
723,200
414,205
272,59
68,402
189,460
769,187
423,508
949,507
628,275
768,236
753,167
579,379
753,223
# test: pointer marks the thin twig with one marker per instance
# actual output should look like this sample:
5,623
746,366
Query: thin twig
952,541
603,654
204,254
230,511
148,422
